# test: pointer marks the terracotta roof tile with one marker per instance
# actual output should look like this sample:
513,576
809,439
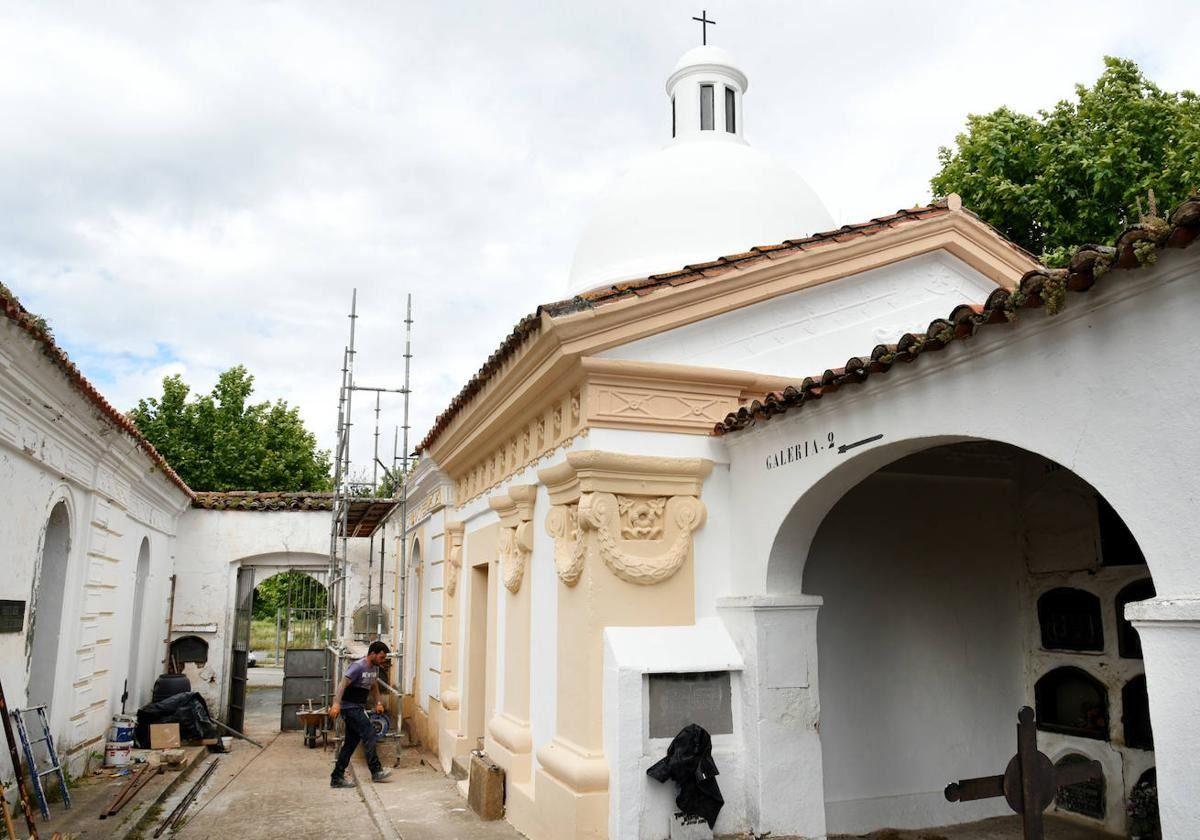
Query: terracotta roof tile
1041,288
36,328
252,500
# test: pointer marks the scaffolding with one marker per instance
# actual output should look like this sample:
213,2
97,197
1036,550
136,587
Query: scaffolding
358,511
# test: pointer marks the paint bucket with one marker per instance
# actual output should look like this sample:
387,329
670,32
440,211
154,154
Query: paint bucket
116,753
122,728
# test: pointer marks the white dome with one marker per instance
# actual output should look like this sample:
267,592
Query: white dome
705,195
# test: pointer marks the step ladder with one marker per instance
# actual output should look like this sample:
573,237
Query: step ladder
37,772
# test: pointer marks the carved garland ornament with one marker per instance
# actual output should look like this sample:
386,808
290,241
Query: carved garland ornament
562,523
641,520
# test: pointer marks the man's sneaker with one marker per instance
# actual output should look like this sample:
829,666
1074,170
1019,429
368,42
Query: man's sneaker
380,775
340,783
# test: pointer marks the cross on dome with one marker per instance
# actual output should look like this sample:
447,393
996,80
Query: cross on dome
704,24
706,193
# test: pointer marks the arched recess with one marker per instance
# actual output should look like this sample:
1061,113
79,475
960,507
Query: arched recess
928,565
46,610
133,676
413,620
1070,701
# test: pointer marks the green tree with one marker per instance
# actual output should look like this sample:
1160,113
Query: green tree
291,587
1074,174
222,441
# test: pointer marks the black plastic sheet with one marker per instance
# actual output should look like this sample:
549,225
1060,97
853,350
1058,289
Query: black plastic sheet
188,709
689,763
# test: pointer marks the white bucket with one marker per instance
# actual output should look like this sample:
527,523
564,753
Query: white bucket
116,753
121,729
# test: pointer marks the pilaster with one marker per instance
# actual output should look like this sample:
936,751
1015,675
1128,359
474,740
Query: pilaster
623,528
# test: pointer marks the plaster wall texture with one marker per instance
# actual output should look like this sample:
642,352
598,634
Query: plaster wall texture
1063,387
803,333
638,805
921,647
543,643
55,447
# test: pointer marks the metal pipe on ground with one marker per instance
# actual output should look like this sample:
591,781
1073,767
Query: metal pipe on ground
179,810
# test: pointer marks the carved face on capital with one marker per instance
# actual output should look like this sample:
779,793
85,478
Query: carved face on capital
642,518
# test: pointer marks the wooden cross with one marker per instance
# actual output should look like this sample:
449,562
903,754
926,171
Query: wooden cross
1030,781
704,22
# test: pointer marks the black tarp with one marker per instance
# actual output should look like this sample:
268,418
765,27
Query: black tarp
188,709
689,764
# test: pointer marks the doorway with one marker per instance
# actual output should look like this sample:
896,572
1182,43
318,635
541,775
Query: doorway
477,687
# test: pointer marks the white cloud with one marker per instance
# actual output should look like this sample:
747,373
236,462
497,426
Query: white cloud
185,187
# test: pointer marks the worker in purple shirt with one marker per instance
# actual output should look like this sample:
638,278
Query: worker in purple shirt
359,687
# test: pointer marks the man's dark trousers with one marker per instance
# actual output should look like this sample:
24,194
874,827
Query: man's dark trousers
358,728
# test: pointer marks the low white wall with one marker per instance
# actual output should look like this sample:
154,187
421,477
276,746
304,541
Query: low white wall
638,805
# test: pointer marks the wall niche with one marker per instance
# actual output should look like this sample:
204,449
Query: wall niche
1072,702
1135,718
1086,798
1070,620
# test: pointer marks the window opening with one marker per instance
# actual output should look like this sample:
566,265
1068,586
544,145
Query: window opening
706,107
730,118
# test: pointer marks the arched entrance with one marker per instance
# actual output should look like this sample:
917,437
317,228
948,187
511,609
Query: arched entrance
959,583
280,659
46,610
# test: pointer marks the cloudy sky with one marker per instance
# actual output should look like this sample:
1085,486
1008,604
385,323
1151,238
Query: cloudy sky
188,186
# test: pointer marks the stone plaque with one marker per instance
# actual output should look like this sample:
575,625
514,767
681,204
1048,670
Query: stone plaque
701,698
12,616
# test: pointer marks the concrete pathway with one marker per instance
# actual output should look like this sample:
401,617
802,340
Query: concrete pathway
283,792
996,828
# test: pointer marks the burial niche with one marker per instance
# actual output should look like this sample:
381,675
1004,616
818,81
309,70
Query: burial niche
1135,717
1086,798
1072,702
189,649
1070,620
1129,643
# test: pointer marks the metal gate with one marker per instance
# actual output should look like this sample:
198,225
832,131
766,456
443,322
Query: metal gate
301,633
243,606
303,681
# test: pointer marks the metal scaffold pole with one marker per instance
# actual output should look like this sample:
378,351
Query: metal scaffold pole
350,499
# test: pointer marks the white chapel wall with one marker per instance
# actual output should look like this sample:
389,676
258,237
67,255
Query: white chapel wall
804,332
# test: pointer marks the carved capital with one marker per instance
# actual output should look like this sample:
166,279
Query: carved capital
562,523
515,508
637,512
454,550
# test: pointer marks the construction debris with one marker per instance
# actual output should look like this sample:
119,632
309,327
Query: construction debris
130,789
177,813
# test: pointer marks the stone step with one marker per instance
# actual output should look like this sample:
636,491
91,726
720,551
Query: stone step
460,767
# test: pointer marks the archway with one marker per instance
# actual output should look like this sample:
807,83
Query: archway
288,646
46,611
959,583
133,681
